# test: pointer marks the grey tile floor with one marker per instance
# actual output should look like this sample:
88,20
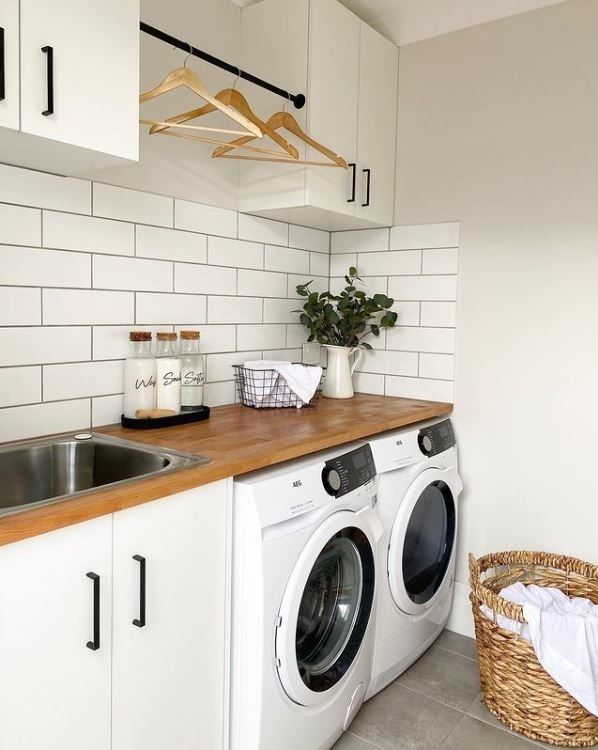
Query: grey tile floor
434,704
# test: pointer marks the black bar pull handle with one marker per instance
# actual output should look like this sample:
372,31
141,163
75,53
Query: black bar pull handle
2,66
353,168
95,644
49,53
140,621
368,174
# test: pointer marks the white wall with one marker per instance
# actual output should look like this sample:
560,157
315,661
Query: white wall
498,129
172,166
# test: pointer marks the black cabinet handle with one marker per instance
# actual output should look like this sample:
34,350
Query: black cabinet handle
95,644
368,173
49,52
140,622
353,167
2,66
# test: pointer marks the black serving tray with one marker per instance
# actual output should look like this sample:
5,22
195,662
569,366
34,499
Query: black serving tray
186,417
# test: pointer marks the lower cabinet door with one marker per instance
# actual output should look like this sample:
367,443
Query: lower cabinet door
55,639
170,614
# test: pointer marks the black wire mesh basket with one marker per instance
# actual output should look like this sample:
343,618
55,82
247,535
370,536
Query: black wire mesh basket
267,389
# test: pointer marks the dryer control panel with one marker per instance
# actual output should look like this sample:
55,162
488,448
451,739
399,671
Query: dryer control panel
437,438
343,474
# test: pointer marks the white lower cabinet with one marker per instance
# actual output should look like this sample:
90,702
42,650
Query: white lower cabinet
83,667
54,690
169,687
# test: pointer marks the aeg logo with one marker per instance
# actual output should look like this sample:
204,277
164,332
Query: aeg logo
297,483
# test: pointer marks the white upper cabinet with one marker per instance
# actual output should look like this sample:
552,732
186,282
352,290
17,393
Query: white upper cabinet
9,64
79,83
349,74
55,654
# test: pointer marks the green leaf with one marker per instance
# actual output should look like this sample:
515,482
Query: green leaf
353,271
365,345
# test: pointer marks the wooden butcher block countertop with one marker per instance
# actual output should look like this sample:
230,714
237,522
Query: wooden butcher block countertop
237,440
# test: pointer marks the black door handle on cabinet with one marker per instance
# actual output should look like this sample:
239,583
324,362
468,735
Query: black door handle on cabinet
353,167
140,622
49,53
368,174
2,66
95,644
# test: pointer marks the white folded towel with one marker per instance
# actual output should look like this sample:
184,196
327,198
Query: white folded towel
303,382
564,634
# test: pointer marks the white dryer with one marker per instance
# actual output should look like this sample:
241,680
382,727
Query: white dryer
305,551
418,490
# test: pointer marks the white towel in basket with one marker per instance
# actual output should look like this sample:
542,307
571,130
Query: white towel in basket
302,380
564,633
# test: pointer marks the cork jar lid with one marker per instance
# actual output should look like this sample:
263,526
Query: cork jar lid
140,336
189,335
166,336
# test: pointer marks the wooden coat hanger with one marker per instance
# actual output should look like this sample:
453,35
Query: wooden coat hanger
232,98
278,121
188,78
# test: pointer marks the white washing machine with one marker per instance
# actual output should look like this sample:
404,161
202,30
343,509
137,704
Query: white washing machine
305,551
418,490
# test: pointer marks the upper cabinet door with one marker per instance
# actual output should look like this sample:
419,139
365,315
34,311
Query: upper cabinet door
170,631
55,689
377,127
9,64
93,48
333,101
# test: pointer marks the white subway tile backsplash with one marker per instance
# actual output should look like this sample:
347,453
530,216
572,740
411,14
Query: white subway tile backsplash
82,379
164,309
306,238
421,339
284,355
20,385
437,366
424,288
268,336
28,266
388,362
296,335
235,253
20,226
262,283
197,217
421,236
281,311
390,263
132,205
359,240
419,388
220,366
32,346
219,394
214,338
22,422
170,244
88,234
39,189
444,260
112,342
110,272
340,264
87,307
319,264
439,314
365,382
235,310
106,410
263,230
286,259
204,279
408,313
20,306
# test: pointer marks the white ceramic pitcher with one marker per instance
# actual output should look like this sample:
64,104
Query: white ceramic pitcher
338,383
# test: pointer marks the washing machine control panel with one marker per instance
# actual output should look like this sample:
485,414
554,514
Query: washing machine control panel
436,438
343,474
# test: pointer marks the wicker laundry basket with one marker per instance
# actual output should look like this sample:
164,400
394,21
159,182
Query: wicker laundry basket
515,687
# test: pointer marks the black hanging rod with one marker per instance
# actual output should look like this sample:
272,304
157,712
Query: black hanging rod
297,99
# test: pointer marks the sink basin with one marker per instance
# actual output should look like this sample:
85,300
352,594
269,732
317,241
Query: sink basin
36,472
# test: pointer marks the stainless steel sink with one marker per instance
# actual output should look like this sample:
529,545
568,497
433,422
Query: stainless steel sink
36,472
